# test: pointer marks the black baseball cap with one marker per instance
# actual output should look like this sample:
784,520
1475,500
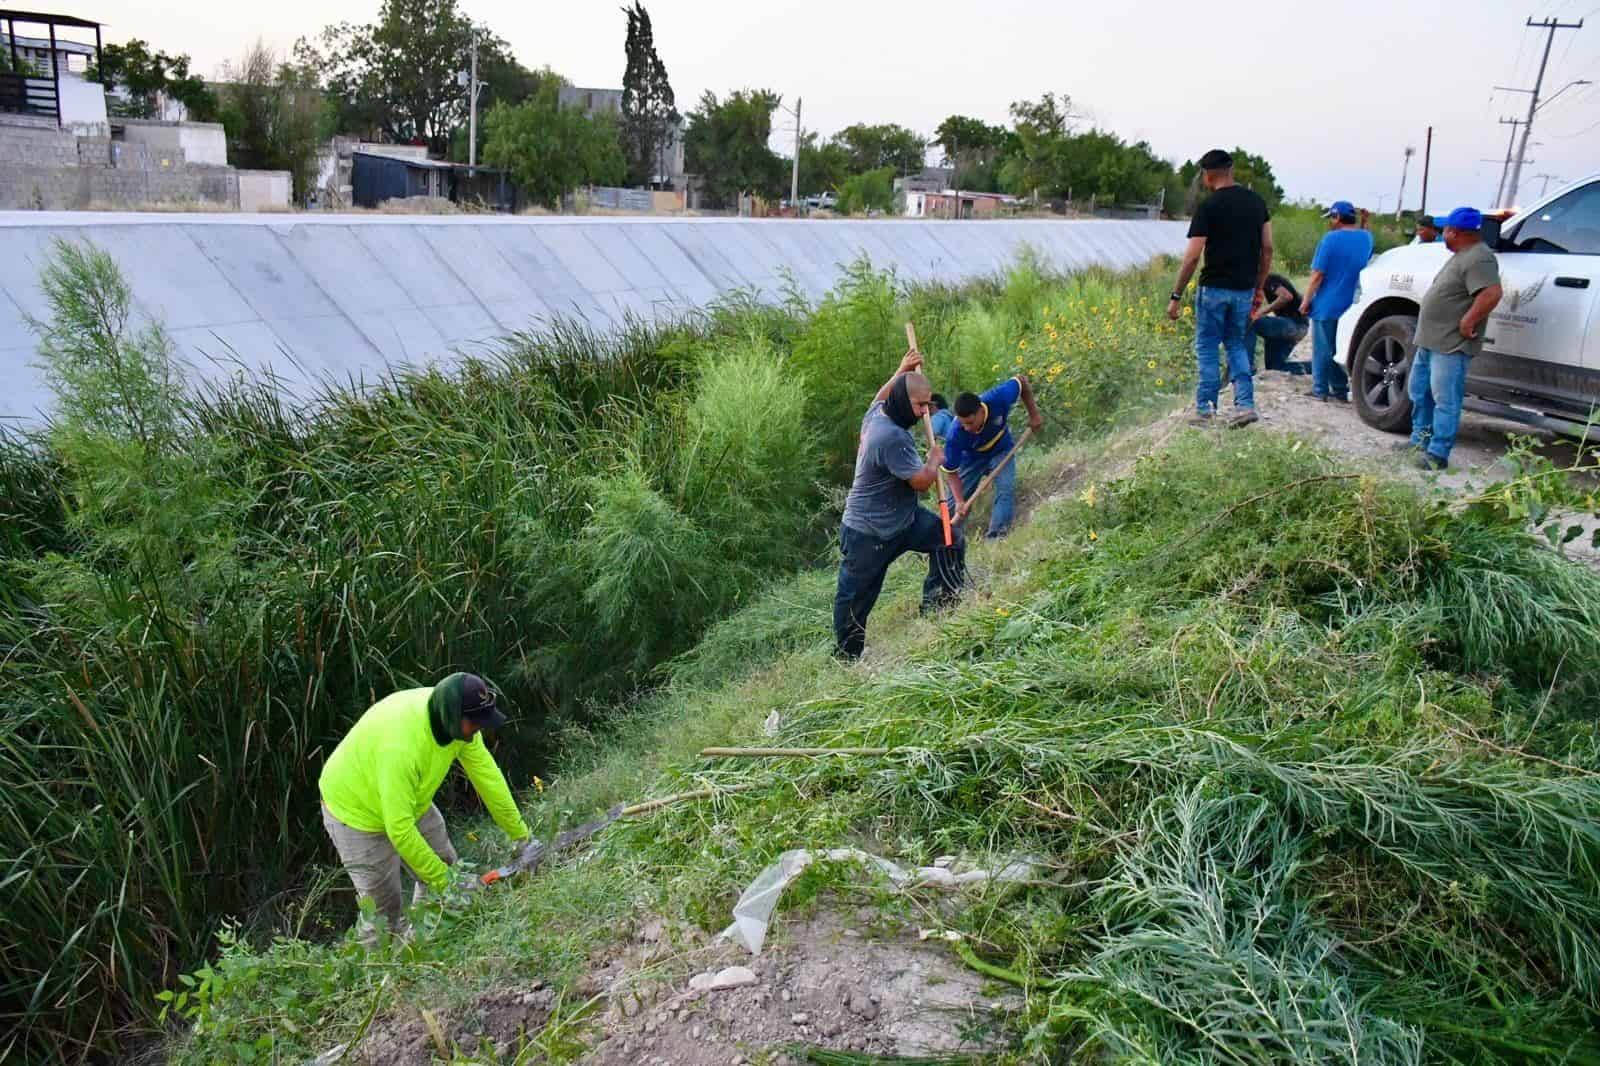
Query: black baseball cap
477,702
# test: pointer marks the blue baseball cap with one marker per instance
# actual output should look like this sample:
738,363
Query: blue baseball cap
1340,208
1467,218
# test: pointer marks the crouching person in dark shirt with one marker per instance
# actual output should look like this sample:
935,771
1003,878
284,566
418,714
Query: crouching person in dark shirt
882,520
1280,325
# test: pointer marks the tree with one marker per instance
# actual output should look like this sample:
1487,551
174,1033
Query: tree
551,150
973,149
502,80
872,147
649,110
1034,158
1249,170
726,144
872,191
148,75
823,166
275,117
398,75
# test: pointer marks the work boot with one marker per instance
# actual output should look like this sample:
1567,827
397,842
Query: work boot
1320,397
1245,416
1339,397
1429,461
1407,447
1202,419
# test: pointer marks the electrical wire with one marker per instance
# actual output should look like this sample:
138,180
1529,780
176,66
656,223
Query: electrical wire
1580,133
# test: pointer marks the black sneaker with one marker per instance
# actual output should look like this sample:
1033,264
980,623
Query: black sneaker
1406,447
1244,417
1320,397
1340,397
1429,461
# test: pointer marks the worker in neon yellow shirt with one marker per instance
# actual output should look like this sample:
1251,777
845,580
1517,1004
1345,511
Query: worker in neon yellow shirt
378,785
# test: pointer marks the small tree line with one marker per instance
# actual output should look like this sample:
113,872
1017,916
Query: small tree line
398,79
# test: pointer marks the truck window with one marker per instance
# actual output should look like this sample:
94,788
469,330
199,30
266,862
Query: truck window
1570,224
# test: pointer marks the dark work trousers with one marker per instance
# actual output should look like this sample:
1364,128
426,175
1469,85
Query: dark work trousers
866,561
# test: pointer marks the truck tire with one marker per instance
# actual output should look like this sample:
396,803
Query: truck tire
1380,372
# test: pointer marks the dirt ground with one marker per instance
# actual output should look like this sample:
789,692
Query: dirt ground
1480,444
850,980
844,979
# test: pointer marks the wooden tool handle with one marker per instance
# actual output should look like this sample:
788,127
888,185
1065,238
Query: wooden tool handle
927,423
991,475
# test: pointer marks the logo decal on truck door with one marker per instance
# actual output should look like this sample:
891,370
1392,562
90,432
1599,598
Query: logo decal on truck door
1525,295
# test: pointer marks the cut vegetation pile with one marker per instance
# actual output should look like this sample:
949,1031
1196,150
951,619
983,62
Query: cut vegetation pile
1310,762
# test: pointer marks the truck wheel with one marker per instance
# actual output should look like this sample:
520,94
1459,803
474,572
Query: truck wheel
1380,372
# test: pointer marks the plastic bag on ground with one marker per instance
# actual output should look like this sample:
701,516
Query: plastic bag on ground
753,913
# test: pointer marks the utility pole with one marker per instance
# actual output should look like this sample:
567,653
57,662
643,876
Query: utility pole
1552,25
1411,150
1505,167
1427,159
1547,179
472,104
794,175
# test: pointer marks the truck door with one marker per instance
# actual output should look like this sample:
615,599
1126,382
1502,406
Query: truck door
1550,270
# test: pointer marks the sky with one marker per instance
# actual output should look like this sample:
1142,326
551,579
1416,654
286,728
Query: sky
1331,98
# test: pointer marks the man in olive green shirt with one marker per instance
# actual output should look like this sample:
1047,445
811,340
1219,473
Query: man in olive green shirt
1449,334
378,785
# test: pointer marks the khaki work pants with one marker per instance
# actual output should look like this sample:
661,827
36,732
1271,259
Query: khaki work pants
374,866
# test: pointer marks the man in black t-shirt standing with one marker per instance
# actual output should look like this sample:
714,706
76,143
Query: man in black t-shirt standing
1232,229
1279,323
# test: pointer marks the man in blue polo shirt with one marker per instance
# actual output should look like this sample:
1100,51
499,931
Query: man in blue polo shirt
977,442
1336,269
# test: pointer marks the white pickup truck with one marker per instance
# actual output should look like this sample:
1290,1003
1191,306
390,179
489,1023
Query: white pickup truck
1541,357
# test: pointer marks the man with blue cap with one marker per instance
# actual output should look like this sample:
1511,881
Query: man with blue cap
1449,334
1335,271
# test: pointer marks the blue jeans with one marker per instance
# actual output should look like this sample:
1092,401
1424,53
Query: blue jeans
1437,386
1327,376
1005,488
1279,336
866,561
1221,317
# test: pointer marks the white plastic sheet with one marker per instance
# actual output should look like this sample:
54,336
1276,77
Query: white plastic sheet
753,913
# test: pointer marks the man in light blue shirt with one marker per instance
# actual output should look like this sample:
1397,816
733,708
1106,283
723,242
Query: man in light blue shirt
940,416
1335,272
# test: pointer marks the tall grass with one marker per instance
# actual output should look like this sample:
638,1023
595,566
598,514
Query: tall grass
202,591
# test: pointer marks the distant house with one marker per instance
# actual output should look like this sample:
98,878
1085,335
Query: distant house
46,82
590,101
375,178
71,56
953,203
594,102
931,179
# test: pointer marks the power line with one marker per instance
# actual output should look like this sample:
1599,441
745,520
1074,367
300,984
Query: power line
1580,133
1550,25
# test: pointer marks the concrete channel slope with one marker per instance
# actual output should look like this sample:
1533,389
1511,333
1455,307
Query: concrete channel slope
344,297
